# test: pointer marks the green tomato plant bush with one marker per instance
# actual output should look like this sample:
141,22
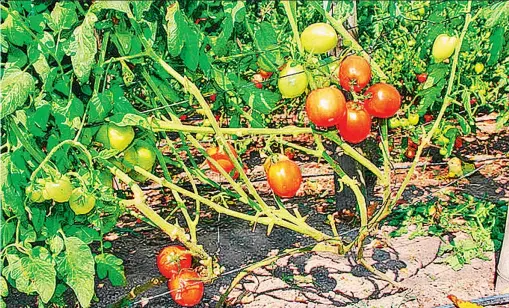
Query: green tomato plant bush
92,90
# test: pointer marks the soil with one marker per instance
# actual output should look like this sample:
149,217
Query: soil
321,279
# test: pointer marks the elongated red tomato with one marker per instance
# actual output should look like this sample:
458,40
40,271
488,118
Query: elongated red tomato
284,178
356,126
186,288
383,100
326,107
354,72
172,259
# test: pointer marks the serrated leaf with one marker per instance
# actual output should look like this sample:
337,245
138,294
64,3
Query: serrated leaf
139,7
84,47
261,100
497,42
174,36
496,13
112,267
16,86
4,289
130,119
63,16
77,269
121,6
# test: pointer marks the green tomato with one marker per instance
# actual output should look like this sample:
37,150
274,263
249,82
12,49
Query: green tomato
443,151
479,67
413,119
443,47
142,155
394,123
35,194
114,136
106,178
292,80
319,38
81,202
60,190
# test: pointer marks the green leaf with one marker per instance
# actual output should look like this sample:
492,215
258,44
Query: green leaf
16,86
37,217
139,7
263,101
56,244
497,42
4,289
84,233
465,128
84,47
63,16
121,6
14,30
77,269
101,105
16,58
8,231
191,51
496,13
110,266
174,36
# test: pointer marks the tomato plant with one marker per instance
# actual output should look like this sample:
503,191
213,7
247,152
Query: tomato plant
284,177
356,126
326,106
354,73
319,38
186,288
383,100
172,259
292,80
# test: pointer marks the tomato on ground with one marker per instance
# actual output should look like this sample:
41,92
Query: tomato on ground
186,288
354,72
171,259
326,106
284,178
383,100
356,126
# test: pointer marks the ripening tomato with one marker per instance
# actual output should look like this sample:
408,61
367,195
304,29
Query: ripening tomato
326,106
81,202
355,127
213,97
319,38
421,78
383,100
59,190
171,259
114,136
394,123
410,152
221,158
186,288
458,143
264,74
257,80
284,178
443,47
354,71
292,80
428,118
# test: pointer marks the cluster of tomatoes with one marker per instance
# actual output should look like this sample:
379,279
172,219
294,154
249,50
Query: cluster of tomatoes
283,174
327,106
186,287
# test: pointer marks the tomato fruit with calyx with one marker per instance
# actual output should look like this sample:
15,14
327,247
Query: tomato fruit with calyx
284,177
421,78
383,100
443,47
355,127
114,136
354,71
81,202
186,288
319,38
35,192
59,190
140,154
326,106
220,156
172,259
292,80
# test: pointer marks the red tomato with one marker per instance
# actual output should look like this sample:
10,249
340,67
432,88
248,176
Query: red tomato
383,100
421,78
326,107
222,158
264,74
428,118
284,178
213,97
290,153
172,259
257,80
186,288
356,71
355,127
458,143
410,152
473,101
183,117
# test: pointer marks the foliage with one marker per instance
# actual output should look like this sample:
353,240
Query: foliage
482,223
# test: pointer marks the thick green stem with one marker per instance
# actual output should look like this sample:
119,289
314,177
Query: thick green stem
293,23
